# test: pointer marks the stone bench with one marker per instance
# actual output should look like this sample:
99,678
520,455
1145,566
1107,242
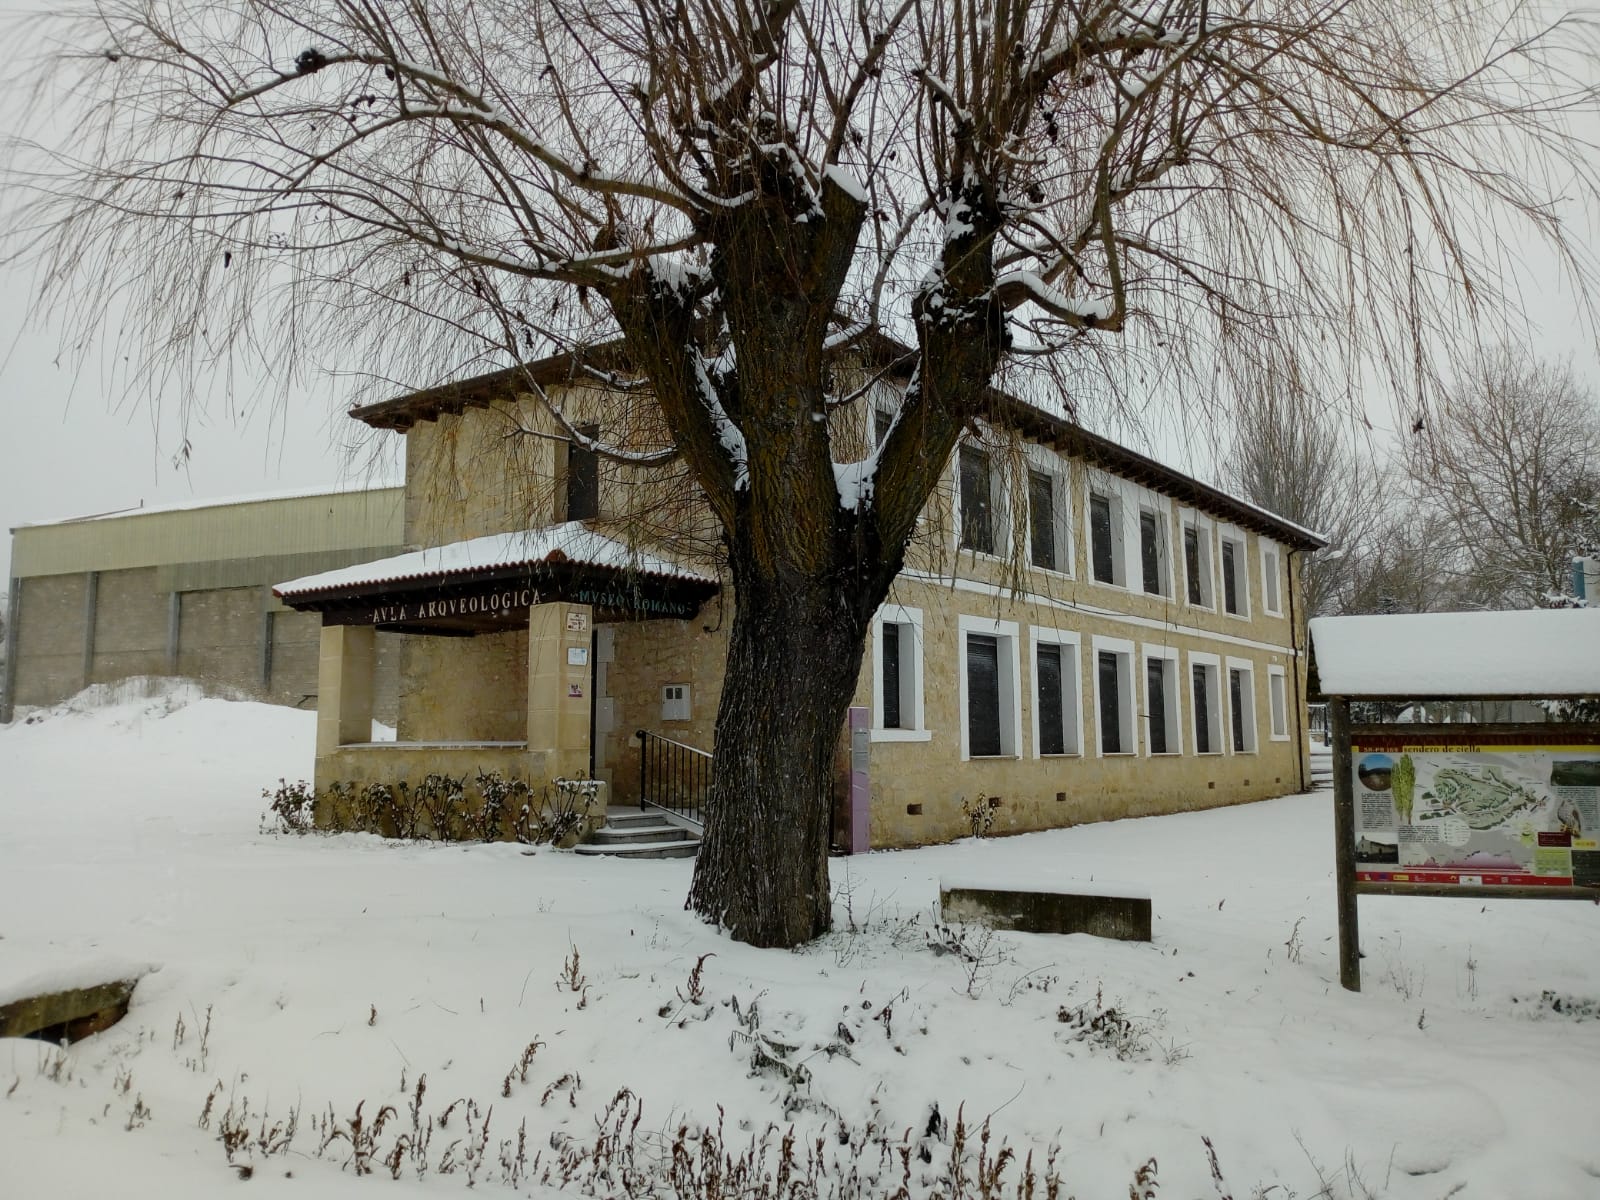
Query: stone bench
57,1011
1049,907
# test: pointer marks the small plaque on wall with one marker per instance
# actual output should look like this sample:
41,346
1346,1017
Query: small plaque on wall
574,691
577,622
577,656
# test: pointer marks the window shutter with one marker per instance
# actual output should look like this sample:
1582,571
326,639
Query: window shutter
983,696
1156,685
891,675
1110,705
1042,511
1100,538
1052,730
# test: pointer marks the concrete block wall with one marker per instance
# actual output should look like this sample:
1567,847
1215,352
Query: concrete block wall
233,639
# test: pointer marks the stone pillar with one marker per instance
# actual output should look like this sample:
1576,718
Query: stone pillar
344,686
559,692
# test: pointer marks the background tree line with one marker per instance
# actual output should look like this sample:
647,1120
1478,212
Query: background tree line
1481,502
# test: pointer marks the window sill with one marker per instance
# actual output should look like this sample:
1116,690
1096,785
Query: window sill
993,757
1055,572
1119,754
1272,612
1233,616
1101,583
902,735
1063,754
1278,737
1205,608
1252,750
1164,754
1208,754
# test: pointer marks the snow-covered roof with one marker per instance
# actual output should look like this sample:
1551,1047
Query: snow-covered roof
570,542
1536,652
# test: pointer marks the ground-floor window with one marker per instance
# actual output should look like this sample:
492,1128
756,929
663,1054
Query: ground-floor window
1056,680
897,706
1206,702
1113,681
1164,733
991,705
1242,705
1278,703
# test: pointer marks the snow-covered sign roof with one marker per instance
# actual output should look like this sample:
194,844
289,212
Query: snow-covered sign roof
1537,652
570,542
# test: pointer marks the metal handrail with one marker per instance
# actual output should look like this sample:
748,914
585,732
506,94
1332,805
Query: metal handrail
673,776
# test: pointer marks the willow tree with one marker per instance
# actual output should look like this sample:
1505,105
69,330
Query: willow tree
750,192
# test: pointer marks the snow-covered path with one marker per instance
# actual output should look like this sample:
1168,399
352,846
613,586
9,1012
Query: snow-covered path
336,970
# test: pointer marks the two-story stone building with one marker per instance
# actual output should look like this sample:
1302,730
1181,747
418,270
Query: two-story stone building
1080,632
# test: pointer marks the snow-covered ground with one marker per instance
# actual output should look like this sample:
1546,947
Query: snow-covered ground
312,974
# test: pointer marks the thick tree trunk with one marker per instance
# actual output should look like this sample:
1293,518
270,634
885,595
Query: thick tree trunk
793,661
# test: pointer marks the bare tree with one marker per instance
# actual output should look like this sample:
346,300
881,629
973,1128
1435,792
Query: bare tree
1512,463
1294,455
749,191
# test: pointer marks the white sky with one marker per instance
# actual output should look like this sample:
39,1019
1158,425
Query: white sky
70,446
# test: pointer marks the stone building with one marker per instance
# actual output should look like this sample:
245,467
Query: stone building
185,590
1080,633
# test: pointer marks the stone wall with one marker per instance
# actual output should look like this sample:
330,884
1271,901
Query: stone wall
464,689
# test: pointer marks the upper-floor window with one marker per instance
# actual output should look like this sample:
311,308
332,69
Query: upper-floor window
1153,555
1049,546
583,476
1197,574
1278,703
1105,537
1271,579
978,506
882,419
1235,576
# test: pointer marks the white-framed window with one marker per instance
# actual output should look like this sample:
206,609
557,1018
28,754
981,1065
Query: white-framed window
1163,723
1057,692
1272,581
1103,512
981,524
1278,703
1155,551
882,419
1235,572
1115,732
1199,580
1205,702
990,677
1049,512
897,678
1242,704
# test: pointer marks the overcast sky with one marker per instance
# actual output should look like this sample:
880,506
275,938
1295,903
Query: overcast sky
71,446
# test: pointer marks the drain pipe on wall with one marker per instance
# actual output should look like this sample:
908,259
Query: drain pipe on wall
1299,706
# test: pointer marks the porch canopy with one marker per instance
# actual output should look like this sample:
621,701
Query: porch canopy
1547,653
489,584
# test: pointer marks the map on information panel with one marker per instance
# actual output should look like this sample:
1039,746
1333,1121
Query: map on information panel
1474,816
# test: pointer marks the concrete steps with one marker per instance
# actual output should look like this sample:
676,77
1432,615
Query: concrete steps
638,833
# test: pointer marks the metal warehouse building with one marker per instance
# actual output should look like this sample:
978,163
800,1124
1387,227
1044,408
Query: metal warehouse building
187,590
